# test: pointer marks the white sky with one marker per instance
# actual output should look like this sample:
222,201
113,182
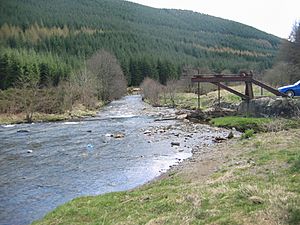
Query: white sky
272,16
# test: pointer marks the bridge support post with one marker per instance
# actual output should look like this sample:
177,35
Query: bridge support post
198,96
249,90
219,96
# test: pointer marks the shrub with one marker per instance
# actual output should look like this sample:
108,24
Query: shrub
151,90
247,134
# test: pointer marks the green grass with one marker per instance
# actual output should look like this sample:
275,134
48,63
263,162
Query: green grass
78,112
241,123
262,189
256,124
248,134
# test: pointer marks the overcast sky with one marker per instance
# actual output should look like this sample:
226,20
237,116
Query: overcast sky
272,16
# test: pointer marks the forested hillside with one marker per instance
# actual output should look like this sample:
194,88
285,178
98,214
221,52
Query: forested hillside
54,38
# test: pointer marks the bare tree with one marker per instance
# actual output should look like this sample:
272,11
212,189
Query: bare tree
185,84
277,76
83,85
28,83
151,90
290,54
110,80
171,89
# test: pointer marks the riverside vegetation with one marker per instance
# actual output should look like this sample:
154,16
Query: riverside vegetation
100,81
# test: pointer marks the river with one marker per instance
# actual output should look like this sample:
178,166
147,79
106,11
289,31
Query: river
44,165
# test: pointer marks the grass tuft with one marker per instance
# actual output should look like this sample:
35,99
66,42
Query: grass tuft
247,134
241,123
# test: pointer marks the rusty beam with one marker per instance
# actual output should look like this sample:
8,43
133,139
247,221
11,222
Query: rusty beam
245,97
242,77
268,88
217,79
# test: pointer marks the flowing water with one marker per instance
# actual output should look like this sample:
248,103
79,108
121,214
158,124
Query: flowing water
44,165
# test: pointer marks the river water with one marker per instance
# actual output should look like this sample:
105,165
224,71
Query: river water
44,165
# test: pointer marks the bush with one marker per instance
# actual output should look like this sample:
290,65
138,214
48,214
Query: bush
248,134
151,91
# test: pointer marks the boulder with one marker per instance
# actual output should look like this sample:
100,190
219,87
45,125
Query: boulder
182,116
271,107
197,115
219,112
226,105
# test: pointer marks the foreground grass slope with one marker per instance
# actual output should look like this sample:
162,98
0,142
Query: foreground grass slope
254,181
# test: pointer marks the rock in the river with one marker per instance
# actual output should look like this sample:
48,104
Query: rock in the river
23,131
119,135
175,144
147,132
29,151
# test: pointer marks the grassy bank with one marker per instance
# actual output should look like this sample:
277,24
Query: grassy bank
256,124
77,112
253,181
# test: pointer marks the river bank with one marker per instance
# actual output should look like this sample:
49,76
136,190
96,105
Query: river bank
251,181
77,113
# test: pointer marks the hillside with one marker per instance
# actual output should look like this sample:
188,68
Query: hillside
147,41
